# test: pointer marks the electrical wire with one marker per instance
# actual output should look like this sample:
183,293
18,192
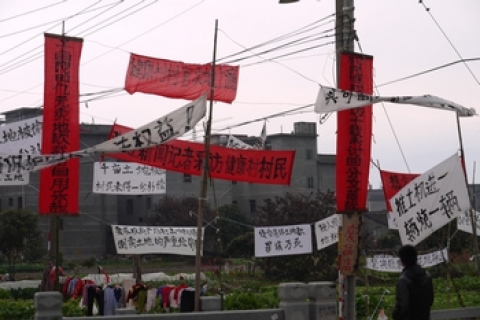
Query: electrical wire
113,5
32,11
449,41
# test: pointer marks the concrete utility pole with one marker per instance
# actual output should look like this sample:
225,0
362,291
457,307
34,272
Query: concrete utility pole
345,35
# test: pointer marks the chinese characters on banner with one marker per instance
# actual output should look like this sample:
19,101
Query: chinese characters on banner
20,137
143,240
159,131
326,231
332,100
393,182
61,125
350,239
256,166
464,223
431,200
175,79
283,240
128,178
388,263
354,132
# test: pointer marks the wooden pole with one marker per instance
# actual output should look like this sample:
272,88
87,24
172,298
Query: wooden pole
203,187
472,212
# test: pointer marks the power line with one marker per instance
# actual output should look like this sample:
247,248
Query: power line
33,11
449,41
428,71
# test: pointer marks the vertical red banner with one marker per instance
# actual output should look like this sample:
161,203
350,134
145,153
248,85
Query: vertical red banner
61,125
354,131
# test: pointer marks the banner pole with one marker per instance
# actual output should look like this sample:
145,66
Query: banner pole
203,191
472,211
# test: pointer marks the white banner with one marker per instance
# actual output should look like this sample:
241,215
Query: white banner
388,263
20,137
464,223
326,231
332,100
236,143
143,239
392,220
431,200
283,240
128,178
161,130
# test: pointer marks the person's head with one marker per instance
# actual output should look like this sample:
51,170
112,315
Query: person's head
408,255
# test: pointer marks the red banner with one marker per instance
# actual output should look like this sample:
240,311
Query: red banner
61,125
354,131
255,166
393,182
175,79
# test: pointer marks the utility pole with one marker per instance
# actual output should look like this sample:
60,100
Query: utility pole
344,35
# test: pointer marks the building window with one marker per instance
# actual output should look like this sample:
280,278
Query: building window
268,202
310,183
148,205
309,154
253,206
187,178
235,203
60,224
234,182
0,205
20,203
10,202
129,206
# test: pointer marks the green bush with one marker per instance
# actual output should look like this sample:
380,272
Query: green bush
18,310
71,308
23,293
241,300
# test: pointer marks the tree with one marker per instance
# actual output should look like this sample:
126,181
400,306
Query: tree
19,237
175,212
300,209
232,224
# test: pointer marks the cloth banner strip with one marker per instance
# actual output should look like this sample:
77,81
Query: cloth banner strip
283,240
143,240
61,125
431,200
354,131
175,79
128,178
388,263
256,166
160,130
332,100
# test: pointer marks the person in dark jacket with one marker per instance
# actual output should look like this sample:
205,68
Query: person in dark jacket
414,293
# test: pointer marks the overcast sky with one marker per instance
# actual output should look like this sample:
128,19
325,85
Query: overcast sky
402,36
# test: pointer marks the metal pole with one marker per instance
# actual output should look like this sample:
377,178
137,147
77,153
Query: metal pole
205,174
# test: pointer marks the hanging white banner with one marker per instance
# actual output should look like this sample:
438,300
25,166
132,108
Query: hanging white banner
388,263
464,223
20,137
430,201
236,143
128,178
157,132
143,239
283,240
392,221
332,100
161,130
326,231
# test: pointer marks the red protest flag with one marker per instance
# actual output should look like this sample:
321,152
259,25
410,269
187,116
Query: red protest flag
354,131
252,165
179,80
61,126
393,182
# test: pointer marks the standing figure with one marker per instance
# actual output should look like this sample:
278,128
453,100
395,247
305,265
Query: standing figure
414,293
